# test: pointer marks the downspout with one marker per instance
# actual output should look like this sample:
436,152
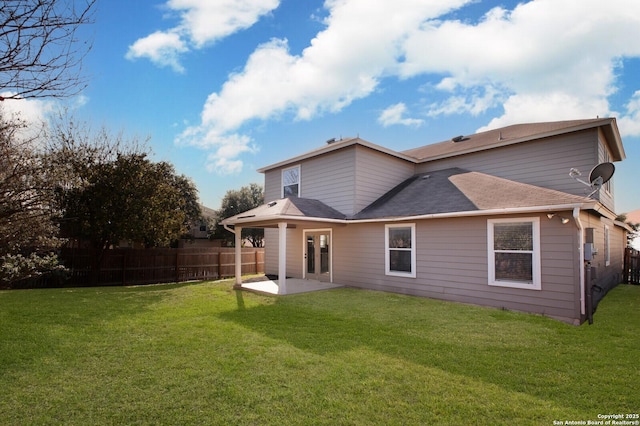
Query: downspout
229,229
576,218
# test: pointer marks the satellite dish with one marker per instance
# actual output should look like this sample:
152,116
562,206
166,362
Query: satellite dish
601,174
598,176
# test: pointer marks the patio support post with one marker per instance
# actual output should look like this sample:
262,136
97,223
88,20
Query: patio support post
238,242
282,258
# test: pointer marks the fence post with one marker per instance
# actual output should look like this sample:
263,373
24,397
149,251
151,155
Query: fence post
124,268
178,265
255,256
627,258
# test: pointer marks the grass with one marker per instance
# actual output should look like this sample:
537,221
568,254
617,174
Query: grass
205,354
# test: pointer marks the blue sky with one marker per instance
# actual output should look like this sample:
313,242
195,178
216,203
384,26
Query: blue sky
225,87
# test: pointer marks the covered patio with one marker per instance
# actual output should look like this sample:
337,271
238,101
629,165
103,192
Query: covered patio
282,214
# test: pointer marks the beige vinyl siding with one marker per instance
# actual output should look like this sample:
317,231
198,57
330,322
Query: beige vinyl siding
452,265
544,162
347,180
272,185
295,251
605,195
376,174
330,178
271,251
606,276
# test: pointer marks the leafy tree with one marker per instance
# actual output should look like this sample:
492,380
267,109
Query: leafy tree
635,226
40,53
238,201
110,191
130,198
28,213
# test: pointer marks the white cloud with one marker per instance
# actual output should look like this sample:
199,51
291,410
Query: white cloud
543,60
394,114
205,21
470,102
162,48
546,107
226,147
629,123
33,112
553,58
345,62
201,22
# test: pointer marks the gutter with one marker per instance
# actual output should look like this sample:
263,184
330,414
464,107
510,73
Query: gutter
509,210
233,231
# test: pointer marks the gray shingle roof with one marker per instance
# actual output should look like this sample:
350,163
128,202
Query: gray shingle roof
500,137
313,208
456,190
290,207
439,192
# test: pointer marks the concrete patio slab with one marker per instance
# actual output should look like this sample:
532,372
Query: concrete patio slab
294,285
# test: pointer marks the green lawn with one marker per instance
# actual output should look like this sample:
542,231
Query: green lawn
205,354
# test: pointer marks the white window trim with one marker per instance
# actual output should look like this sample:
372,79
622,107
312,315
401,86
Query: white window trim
536,267
607,246
387,262
282,180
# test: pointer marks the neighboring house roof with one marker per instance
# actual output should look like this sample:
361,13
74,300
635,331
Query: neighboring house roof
207,211
633,216
451,192
516,134
456,190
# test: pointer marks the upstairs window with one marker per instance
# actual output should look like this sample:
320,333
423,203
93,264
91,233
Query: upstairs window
514,253
607,159
400,253
291,182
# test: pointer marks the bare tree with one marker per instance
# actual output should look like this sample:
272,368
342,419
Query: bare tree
40,52
28,213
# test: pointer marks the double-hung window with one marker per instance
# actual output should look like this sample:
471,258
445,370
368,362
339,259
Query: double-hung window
291,182
514,253
400,250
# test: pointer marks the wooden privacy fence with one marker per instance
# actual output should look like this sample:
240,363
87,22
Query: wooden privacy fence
152,266
632,266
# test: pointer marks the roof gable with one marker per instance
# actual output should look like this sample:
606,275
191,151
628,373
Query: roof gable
332,146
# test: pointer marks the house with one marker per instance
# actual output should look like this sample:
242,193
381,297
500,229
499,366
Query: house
498,218
634,218
200,230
